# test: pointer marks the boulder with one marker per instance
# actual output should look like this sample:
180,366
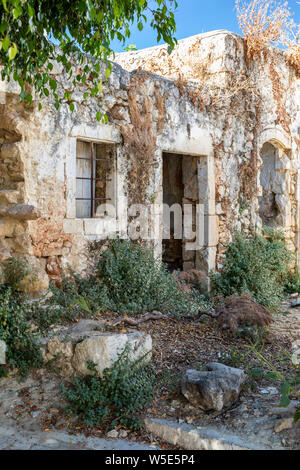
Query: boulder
3,349
104,349
215,388
87,340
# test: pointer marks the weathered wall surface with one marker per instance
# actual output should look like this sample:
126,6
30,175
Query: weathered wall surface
205,101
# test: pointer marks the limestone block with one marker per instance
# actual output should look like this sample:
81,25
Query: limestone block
37,281
215,388
20,212
3,349
9,196
73,225
7,227
4,255
56,347
22,244
104,350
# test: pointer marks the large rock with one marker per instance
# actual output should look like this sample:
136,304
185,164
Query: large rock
105,348
215,388
3,349
86,341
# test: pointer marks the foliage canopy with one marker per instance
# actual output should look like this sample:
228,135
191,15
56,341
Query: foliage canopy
33,33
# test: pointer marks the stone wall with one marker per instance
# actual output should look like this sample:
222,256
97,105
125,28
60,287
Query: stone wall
205,101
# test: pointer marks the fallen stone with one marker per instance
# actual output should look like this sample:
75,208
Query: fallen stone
86,340
104,349
269,391
123,433
295,302
3,349
286,411
191,438
215,388
284,425
112,434
56,347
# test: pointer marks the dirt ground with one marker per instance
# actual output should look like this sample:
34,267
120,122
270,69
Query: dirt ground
36,403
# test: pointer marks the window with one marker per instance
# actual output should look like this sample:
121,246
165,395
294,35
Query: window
95,170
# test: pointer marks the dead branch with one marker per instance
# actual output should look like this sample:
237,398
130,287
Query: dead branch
145,318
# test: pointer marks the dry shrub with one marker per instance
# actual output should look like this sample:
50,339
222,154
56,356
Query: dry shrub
293,49
238,311
187,280
265,22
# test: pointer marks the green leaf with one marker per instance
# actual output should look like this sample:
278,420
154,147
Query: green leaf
100,86
285,388
107,72
40,106
98,116
284,402
30,11
53,84
81,302
71,106
3,27
140,26
17,11
271,376
12,51
297,416
5,43
46,92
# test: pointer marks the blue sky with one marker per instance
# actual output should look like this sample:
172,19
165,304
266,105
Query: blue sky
197,16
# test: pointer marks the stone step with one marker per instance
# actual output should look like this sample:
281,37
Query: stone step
190,438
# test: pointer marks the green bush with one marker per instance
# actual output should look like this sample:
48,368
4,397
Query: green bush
14,271
292,283
128,280
257,264
114,399
136,282
23,351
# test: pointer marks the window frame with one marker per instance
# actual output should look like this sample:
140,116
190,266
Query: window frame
93,159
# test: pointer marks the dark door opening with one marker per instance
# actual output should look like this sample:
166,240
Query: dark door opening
180,186
173,192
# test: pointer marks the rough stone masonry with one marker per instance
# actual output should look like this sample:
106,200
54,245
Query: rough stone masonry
202,126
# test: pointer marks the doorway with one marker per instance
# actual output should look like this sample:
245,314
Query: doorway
180,188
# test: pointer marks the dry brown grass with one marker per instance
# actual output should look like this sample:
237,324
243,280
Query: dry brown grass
238,311
269,22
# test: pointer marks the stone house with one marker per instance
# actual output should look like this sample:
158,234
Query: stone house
203,126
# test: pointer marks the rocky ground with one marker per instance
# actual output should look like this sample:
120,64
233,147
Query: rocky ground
34,407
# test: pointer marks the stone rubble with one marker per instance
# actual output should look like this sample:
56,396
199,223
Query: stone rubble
215,388
87,341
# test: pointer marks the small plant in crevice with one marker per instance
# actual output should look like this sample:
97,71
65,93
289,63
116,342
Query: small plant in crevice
114,399
288,383
234,358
